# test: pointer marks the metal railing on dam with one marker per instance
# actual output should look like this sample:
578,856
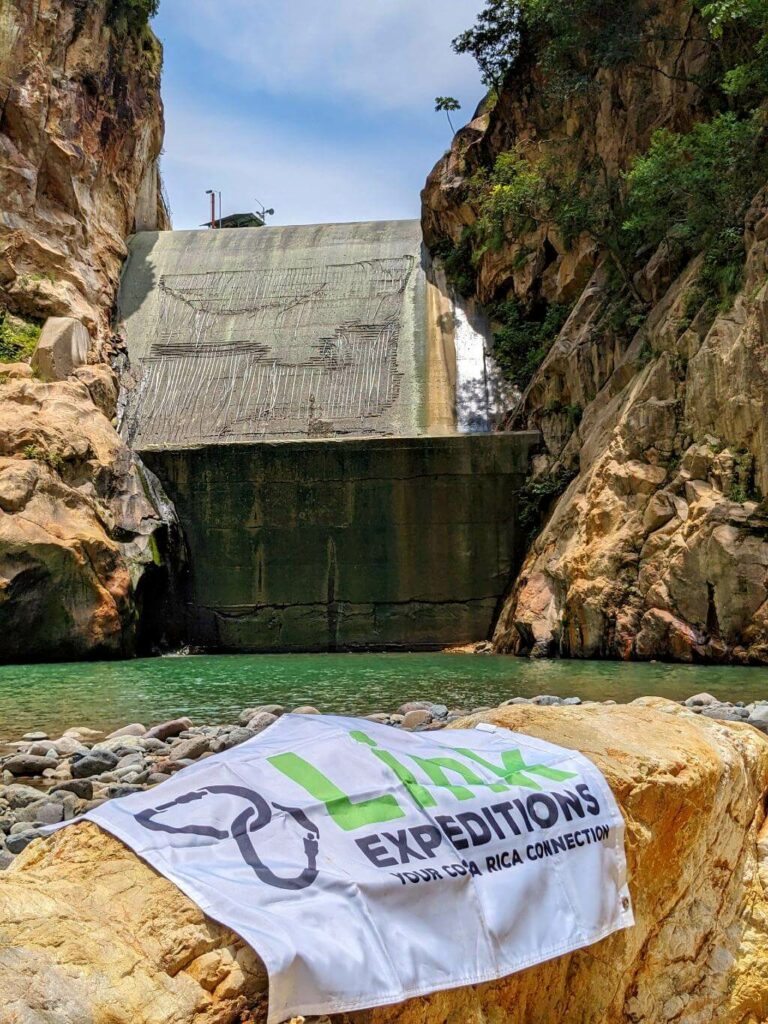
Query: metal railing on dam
299,393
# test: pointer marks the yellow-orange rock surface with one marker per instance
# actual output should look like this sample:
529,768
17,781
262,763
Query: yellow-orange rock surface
81,129
90,935
654,433
75,525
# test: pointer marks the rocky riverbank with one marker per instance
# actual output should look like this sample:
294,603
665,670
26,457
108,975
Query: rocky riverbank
89,932
45,781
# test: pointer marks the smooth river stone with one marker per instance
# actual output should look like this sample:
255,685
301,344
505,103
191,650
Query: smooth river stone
128,730
29,765
95,763
167,730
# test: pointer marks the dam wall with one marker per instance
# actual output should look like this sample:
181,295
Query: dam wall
400,543
319,409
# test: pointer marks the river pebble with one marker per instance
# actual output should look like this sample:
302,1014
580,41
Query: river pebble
167,730
272,709
233,737
19,841
128,730
260,721
95,763
414,705
81,788
416,718
700,700
28,765
116,792
189,749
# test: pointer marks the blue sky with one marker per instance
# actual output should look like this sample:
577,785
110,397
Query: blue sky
322,109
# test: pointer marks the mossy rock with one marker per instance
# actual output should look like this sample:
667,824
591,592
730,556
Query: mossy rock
18,338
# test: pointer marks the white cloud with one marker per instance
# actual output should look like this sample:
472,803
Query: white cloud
392,54
306,180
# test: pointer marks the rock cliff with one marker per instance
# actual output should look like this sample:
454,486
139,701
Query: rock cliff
654,454
78,536
81,128
88,932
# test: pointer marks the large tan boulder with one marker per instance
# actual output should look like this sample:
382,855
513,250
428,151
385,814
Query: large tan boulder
75,525
63,347
89,934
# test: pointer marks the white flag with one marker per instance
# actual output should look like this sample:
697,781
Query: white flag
367,865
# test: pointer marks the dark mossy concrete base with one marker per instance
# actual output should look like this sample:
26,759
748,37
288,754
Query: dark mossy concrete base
334,545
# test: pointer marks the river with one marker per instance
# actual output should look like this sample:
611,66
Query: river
213,689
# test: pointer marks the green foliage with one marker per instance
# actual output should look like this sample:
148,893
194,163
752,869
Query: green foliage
521,339
743,487
573,412
131,16
624,316
516,196
741,29
494,40
689,191
569,40
718,281
510,198
457,263
53,459
692,191
537,498
449,105
645,355
18,338
690,188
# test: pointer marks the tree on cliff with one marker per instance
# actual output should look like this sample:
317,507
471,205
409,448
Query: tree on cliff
570,40
688,191
449,105
132,15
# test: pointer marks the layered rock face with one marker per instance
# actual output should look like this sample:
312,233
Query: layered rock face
81,128
88,932
657,548
76,529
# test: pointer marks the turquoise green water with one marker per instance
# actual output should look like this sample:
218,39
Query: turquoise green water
214,689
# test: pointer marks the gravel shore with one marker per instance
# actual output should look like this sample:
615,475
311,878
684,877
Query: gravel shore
44,781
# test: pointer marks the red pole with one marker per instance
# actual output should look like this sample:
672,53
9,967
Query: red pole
213,209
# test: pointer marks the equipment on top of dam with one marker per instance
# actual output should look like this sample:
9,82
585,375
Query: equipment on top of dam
301,392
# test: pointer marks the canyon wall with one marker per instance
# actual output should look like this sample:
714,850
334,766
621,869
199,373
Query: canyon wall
654,433
81,129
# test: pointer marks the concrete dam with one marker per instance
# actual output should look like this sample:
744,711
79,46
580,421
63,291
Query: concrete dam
322,417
